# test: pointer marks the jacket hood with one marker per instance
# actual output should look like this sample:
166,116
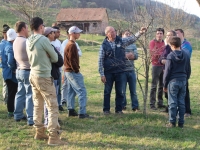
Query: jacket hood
32,40
177,56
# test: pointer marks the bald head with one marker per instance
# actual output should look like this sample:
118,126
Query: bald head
110,33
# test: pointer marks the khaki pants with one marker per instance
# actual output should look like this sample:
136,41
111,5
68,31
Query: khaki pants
44,91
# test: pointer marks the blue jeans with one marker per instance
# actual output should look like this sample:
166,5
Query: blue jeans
118,78
176,100
64,91
130,78
76,86
58,90
23,98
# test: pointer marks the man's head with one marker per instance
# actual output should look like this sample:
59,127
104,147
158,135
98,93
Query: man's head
74,32
175,42
37,25
11,35
170,34
21,28
126,33
49,32
57,33
180,33
5,29
110,33
159,34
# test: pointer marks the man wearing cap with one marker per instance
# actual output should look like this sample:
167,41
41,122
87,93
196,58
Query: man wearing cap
23,98
112,66
75,82
2,46
55,72
41,54
64,79
9,68
57,44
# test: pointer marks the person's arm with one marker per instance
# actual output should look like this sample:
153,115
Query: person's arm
50,50
79,50
73,58
188,70
167,72
100,64
11,61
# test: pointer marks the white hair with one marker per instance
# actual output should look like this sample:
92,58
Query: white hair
107,29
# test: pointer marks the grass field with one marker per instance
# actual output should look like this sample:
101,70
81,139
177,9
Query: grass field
129,131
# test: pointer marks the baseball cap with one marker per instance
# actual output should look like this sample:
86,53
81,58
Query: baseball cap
56,27
48,30
5,28
74,29
11,35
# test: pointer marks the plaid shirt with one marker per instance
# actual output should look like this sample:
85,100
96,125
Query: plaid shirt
125,42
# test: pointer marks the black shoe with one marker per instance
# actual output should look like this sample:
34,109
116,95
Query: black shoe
82,116
31,124
60,108
136,109
153,108
10,114
72,113
23,119
119,112
124,108
180,125
170,125
64,103
106,112
161,106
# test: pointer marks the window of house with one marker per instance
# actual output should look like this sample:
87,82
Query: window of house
95,24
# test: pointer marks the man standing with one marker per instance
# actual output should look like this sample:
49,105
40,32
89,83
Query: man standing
157,47
41,54
185,46
2,46
57,44
23,98
112,66
130,76
75,82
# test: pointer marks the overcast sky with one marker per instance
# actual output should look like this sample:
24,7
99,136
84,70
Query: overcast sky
190,6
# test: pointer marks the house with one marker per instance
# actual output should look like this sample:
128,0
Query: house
90,20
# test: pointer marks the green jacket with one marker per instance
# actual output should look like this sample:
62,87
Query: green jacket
40,54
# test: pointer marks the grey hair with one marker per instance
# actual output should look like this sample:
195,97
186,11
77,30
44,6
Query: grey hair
107,29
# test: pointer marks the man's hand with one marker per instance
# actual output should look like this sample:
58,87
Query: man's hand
130,56
143,30
103,79
163,61
165,90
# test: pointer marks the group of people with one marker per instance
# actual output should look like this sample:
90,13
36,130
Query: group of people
171,70
33,68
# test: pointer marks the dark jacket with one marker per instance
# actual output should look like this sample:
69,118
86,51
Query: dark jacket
177,67
114,60
55,72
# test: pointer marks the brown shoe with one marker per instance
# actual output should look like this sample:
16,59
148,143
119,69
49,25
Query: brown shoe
54,139
40,134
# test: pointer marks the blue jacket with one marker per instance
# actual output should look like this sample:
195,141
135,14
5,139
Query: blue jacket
8,63
2,47
114,61
186,46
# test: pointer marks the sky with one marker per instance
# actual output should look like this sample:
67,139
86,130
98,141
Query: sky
190,6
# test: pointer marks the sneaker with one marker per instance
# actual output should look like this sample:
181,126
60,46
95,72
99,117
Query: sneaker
64,103
119,112
124,108
161,106
10,114
60,108
82,116
72,113
153,108
106,112
31,124
136,109
23,119
170,125
187,115
180,125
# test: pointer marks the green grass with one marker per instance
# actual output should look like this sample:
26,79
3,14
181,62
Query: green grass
130,131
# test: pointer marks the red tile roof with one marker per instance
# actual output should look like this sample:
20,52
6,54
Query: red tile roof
81,14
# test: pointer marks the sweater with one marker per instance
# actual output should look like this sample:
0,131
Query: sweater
177,67
40,54
71,58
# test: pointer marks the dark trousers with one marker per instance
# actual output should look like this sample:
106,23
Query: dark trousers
12,90
157,79
187,100
118,79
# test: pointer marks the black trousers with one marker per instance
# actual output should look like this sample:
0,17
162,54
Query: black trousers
187,100
12,90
